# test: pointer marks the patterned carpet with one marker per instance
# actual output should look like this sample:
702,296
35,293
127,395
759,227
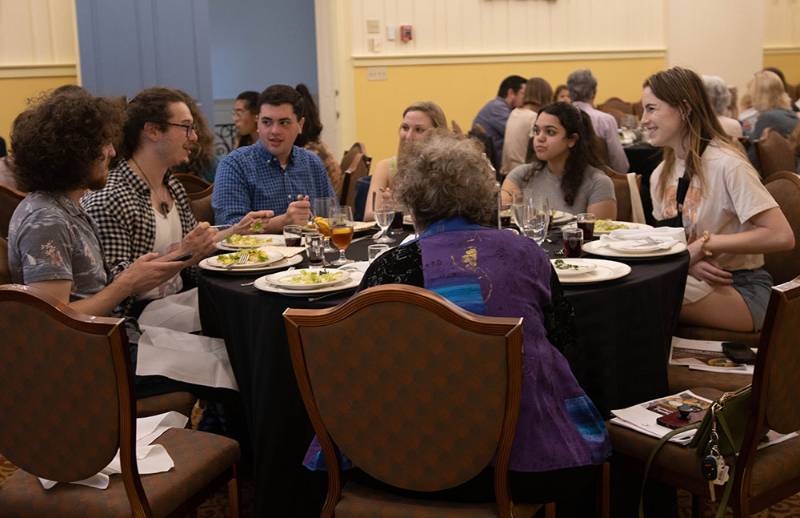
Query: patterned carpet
217,505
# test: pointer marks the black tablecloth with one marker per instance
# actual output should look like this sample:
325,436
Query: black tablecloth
623,334
644,158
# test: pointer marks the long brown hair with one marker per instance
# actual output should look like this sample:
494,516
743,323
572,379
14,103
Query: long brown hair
580,155
683,89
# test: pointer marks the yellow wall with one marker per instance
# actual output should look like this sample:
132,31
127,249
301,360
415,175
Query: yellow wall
15,93
789,64
462,89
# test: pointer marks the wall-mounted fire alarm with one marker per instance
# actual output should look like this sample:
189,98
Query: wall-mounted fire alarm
406,33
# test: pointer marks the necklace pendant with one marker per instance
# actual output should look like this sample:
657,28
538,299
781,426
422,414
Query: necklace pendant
164,208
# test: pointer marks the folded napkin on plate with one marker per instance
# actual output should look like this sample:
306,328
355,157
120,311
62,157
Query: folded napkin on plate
289,251
358,266
150,458
658,234
638,245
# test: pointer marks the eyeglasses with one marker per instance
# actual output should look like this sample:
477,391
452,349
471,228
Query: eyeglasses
188,127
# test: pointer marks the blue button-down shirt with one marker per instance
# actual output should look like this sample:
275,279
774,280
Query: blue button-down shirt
251,178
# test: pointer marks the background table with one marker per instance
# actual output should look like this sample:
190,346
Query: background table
620,358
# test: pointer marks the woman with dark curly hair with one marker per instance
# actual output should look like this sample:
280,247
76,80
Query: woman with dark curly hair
561,171
446,183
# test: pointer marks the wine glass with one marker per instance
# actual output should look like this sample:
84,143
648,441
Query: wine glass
384,216
537,220
341,220
519,209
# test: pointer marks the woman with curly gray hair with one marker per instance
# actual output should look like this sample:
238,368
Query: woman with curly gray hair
720,98
446,183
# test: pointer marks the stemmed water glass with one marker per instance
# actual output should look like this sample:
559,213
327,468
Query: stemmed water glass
537,220
384,217
341,221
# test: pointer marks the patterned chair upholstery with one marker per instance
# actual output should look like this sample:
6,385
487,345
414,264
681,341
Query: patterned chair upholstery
763,477
423,410
66,401
775,153
9,199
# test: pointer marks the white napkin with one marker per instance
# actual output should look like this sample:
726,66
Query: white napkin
184,357
637,245
289,251
358,266
676,234
149,458
179,312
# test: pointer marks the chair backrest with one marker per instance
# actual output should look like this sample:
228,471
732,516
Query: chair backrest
423,408
349,161
5,272
622,191
775,388
201,205
192,183
615,103
784,186
350,177
9,199
63,376
775,153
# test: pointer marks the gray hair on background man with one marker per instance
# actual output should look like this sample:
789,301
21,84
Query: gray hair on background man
582,85
718,94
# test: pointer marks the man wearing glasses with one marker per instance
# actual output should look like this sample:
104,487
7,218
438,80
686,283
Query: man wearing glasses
273,174
143,207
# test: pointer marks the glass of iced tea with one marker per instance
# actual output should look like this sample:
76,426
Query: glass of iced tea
586,223
321,209
341,221
573,242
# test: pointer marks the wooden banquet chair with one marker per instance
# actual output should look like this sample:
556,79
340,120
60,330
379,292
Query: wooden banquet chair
373,399
357,169
67,405
615,103
5,273
627,198
784,186
9,199
349,162
201,204
775,153
192,183
762,477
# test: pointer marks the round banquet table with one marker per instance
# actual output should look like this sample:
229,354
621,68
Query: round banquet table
623,332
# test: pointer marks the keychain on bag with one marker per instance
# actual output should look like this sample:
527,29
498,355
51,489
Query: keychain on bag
713,467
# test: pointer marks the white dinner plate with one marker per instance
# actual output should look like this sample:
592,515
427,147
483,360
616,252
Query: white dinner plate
627,226
263,284
265,239
273,256
283,279
559,217
573,267
599,247
360,226
637,246
283,263
604,270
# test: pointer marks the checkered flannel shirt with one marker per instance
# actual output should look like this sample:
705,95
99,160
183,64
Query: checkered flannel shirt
251,178
125,217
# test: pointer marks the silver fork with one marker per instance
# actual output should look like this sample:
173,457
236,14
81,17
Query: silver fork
243,257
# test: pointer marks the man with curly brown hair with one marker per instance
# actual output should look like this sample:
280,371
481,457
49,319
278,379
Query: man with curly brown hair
62,147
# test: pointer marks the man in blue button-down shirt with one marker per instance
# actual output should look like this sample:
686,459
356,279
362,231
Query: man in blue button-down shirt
272,174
